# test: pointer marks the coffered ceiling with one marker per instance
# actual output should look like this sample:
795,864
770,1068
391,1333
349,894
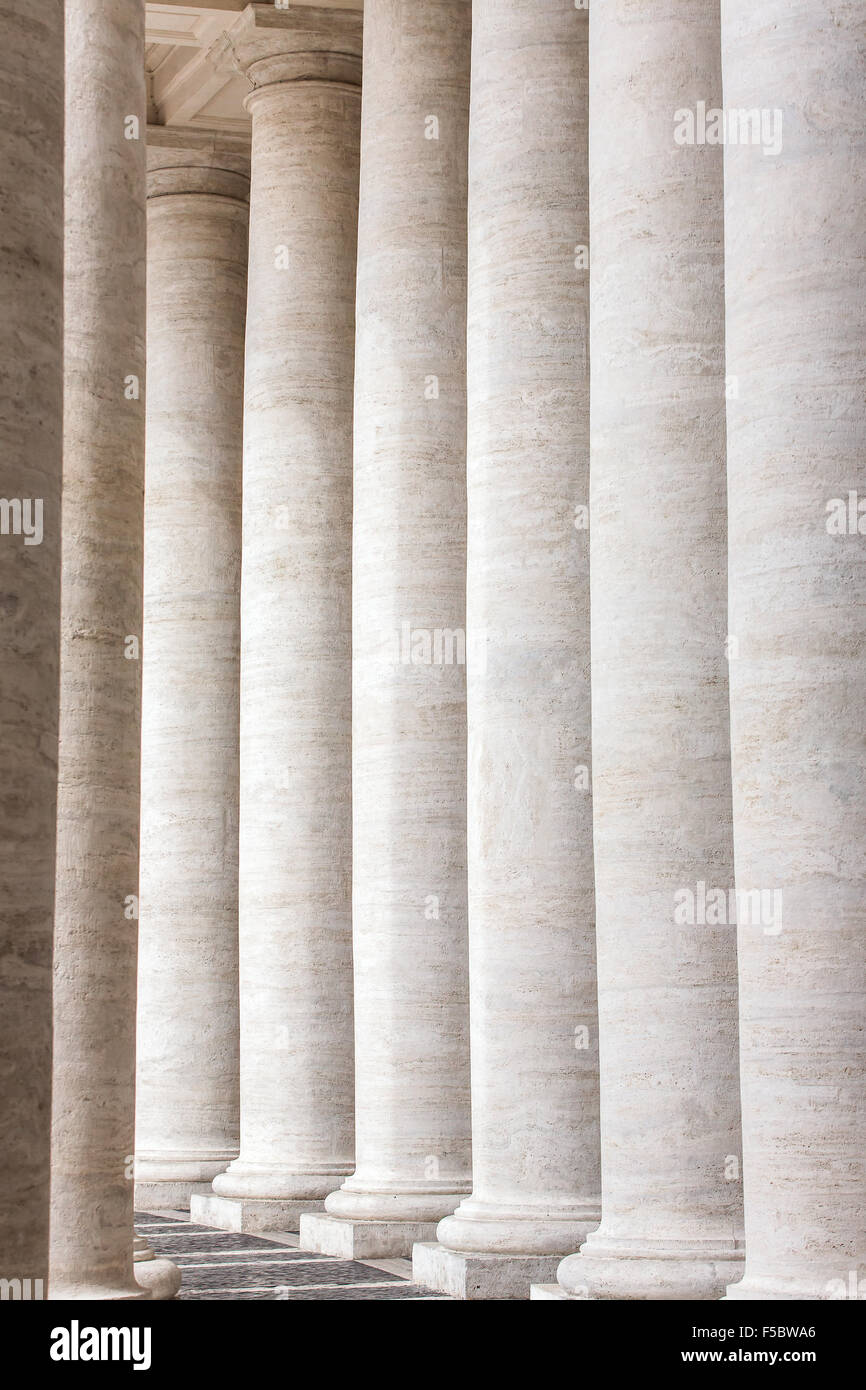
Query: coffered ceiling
189,82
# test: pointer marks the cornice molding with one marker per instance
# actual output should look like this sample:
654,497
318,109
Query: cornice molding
194,80
302,43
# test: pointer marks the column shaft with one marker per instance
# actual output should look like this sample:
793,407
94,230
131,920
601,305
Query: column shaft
187,1103
796,332
671,1204
534,1033
31,424
409,724
295,738
98,792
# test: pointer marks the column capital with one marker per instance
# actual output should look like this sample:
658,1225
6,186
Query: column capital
181,159
303,43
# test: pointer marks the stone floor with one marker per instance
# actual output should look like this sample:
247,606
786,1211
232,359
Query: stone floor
222,1265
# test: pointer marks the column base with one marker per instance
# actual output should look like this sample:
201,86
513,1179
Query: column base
547,1230
466,1275
362,1240
551,1292
166,1181
166,1195
777,1289
651,1270
159,1277
249,1215
414,1204
96,1293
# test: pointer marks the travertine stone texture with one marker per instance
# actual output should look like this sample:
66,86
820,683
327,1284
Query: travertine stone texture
31,426
98,789
409,687
482,1277
796,326
671,1196
532,970
250,1214
364,1239
295,744
187,1098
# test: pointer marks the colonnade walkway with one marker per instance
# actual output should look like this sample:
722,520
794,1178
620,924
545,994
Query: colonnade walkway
227,1265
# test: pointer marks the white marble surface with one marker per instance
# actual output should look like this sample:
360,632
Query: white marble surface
796,322
187,1102
671,1214
409,708
100,685
295,738
31,427
532,973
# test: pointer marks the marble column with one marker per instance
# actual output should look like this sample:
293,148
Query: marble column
671,1189
31,427
98,788
795,242
532,969
296,1062
187,1094
409,711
